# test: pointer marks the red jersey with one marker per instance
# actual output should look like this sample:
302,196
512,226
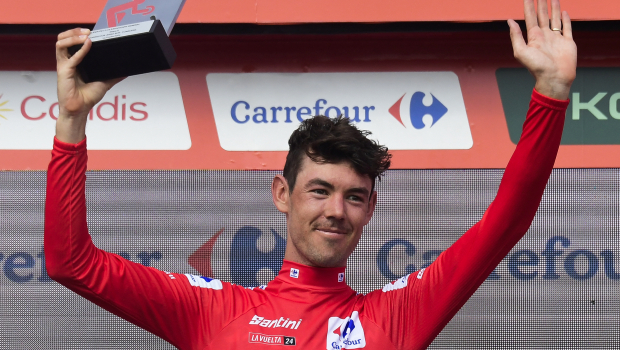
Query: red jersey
306,307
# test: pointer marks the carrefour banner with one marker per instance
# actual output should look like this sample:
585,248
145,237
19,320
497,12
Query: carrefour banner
403,110
558,288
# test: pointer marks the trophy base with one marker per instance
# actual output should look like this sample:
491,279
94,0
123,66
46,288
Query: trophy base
123,55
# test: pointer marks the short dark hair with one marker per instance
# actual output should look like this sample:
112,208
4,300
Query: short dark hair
335,140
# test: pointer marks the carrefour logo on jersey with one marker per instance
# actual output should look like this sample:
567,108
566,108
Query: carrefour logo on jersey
144,112
345,333
403,110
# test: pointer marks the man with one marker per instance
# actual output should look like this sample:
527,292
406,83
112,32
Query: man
327,194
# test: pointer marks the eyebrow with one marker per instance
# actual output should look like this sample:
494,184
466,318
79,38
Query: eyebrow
318,181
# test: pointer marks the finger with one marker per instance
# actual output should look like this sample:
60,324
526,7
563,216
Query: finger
516,37
530,14
543,14
567,27
62,46
79,55
62,52
556,15
73,32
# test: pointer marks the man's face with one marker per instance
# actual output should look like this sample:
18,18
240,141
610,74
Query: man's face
326,212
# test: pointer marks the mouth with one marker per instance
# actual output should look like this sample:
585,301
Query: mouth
331,231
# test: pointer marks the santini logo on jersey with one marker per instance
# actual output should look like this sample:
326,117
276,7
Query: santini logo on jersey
281,322
204,282
345,333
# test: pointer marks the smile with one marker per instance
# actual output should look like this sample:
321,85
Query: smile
331,231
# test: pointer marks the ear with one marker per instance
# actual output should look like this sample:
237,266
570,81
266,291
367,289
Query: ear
371,206
280,193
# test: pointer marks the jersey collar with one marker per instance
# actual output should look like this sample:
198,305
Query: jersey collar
318,277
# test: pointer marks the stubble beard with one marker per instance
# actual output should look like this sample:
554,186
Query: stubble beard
328,253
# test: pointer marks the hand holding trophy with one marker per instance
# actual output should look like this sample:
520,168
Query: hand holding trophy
130,37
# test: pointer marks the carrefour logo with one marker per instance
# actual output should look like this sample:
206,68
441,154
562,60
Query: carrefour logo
240,112
254,256
403,110
417,110
345,333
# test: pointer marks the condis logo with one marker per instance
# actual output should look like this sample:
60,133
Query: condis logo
2,103
404,110
36,108
144,112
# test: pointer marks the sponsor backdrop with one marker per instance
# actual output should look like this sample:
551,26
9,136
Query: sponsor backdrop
558,288
244,120
438,100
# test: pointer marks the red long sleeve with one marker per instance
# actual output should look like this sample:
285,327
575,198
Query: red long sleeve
433,296
142,295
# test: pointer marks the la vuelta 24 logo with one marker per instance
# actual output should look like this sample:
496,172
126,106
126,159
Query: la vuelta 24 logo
116,14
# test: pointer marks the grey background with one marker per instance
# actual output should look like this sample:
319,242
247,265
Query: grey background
177,211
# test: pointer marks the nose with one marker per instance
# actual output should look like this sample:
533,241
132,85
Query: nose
334,207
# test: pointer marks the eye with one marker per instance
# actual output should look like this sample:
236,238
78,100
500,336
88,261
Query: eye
355,198
319,191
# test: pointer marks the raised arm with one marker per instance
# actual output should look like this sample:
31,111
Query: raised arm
169,305
551,56
427,300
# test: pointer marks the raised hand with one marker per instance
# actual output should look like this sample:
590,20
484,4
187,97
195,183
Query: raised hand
550,53
75,98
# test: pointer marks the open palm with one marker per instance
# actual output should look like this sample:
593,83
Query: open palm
550,53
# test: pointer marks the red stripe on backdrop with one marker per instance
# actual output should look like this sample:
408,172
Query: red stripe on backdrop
286,11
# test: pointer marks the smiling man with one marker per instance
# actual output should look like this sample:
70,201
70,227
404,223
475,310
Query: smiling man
327,194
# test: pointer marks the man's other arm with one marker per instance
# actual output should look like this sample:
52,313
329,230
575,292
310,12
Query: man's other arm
432,297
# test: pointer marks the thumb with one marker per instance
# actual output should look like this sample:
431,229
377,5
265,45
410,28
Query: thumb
516,36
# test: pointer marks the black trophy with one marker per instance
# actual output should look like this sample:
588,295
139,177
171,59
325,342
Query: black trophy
130,38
